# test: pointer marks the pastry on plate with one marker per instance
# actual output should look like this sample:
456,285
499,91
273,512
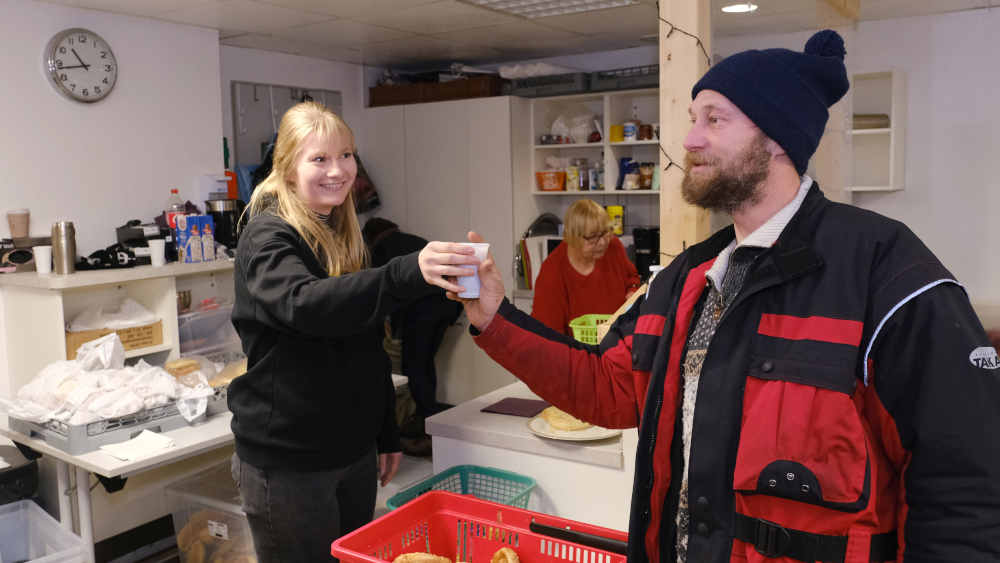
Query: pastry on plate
561,420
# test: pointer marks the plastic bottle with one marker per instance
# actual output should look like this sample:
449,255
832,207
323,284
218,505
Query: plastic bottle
174,207
232,189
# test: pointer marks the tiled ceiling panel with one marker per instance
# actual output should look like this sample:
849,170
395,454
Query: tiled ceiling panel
428,33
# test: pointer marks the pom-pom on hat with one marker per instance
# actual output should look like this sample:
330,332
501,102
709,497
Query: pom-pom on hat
784,92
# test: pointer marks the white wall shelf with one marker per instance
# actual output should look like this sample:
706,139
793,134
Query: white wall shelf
608,108
877,154
598,192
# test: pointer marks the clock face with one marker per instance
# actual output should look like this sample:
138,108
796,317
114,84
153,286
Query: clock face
81,65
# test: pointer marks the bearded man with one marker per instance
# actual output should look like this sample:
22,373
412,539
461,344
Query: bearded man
810,383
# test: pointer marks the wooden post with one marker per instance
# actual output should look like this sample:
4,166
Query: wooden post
833,161
682,62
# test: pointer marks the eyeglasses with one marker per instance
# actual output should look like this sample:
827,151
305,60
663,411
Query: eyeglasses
598,236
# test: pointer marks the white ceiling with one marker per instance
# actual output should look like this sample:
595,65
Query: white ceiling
422,33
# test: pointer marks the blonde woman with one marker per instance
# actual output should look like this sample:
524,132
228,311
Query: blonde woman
314,415
588,272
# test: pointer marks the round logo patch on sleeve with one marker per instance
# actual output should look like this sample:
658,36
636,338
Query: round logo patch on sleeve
985,357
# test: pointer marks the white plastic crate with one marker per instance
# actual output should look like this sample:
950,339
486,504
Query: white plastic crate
29,534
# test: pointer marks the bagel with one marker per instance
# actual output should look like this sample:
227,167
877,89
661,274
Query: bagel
181,366
505,555
561,420
418,557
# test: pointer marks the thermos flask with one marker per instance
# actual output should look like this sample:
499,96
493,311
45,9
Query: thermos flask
63,247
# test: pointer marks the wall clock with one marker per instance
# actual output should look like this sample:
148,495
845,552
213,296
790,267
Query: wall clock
81,65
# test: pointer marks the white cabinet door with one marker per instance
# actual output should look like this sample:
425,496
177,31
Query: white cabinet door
437,170
382,151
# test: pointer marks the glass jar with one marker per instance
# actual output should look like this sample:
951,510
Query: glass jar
583,174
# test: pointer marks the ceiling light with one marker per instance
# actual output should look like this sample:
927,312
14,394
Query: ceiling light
543,8
740,8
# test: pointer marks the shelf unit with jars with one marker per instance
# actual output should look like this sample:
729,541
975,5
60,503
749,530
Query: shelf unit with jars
607,109
877,146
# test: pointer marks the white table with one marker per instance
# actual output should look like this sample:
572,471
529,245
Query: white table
189,441
586,481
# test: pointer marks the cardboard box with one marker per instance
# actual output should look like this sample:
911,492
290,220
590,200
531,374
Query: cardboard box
132,338
188,237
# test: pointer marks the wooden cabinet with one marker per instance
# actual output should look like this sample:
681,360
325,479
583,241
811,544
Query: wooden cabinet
877,148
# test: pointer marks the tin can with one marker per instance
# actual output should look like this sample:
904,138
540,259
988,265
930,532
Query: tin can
63,247
617,213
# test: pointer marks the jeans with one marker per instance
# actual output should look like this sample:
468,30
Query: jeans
294,516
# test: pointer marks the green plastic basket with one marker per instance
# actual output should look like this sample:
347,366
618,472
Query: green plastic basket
486,483
585,327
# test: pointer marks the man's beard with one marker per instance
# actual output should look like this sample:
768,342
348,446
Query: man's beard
731,187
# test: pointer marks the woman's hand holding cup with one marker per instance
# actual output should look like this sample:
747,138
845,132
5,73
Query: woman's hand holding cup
441,264
480,310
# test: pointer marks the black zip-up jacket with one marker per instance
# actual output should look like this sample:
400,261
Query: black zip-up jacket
849,393
317,393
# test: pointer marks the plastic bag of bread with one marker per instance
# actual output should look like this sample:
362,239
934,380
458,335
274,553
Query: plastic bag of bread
183,369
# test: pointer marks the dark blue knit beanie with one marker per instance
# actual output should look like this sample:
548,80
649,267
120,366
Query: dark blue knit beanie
785,93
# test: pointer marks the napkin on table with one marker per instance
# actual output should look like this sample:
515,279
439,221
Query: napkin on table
145,444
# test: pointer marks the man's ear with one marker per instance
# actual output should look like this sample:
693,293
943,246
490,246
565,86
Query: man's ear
774,148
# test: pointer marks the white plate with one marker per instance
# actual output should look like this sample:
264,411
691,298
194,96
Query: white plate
540,427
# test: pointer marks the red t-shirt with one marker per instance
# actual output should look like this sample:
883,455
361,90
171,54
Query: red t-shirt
562,294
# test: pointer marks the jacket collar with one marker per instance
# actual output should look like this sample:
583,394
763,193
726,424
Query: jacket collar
792,253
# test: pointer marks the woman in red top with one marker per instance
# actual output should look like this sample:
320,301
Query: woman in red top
587,273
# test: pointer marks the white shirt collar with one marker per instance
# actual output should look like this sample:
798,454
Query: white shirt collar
764,237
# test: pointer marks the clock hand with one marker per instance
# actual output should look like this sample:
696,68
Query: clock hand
83,64
74,66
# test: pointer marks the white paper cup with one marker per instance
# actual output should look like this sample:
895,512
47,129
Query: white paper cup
157,251
43,259
471,283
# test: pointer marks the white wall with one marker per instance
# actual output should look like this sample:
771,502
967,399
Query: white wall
267,67
101,164
951,192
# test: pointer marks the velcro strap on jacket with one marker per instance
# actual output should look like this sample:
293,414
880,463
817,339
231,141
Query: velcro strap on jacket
774,540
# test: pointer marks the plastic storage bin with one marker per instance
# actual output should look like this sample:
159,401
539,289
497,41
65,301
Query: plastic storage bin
626,78
487,483
205,332
465,528
208,520
29,534
551,85
585,327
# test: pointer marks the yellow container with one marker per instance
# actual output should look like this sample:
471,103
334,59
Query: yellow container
617,134
617,213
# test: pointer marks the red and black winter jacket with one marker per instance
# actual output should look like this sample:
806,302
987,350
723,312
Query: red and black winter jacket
845,408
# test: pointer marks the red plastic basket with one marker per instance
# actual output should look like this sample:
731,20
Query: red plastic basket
465,528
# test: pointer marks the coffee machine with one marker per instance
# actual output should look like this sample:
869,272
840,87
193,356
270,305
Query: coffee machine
647,249
226,213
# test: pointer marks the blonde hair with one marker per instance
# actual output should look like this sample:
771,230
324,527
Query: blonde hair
336,242
584,217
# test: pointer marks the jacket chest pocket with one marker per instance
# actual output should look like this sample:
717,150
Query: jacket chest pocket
802,437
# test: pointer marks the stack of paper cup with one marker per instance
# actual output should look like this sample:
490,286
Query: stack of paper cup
43,259
157,251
